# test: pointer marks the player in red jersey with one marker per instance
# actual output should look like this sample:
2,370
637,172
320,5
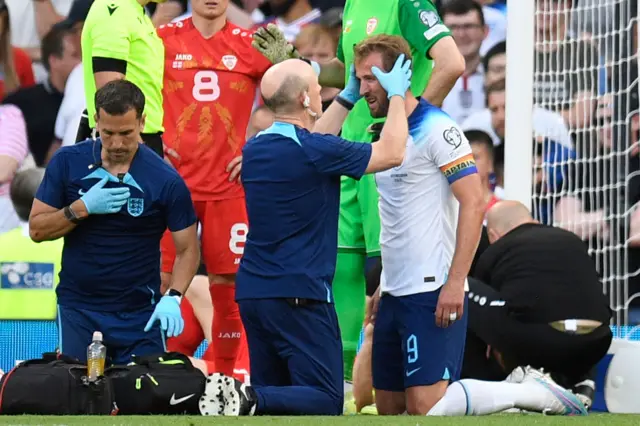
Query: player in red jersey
210,78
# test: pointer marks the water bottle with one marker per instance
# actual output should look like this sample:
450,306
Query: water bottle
96,355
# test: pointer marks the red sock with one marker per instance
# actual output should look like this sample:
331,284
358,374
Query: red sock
242,371
226,329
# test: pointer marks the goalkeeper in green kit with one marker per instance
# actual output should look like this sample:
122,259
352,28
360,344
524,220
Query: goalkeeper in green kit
437,62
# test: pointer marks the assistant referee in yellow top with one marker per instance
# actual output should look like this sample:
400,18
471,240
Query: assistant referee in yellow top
119,41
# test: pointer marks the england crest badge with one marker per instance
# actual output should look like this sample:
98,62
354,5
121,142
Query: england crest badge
135,206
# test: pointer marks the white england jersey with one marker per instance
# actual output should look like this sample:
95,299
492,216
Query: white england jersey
418,210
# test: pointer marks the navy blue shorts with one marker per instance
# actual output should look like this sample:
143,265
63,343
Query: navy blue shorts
294,346
123,333
409,349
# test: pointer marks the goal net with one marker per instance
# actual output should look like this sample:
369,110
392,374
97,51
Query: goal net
586,174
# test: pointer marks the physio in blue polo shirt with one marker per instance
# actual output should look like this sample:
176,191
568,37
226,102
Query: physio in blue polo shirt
292,185
112,199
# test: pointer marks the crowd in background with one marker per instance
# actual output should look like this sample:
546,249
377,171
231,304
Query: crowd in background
585,116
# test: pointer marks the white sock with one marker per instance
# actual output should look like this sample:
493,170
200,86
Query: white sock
476,398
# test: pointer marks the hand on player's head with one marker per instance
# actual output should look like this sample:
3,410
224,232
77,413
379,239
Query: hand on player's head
377,86
271,42
397,81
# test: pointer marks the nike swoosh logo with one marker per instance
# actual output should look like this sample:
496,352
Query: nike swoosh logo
174,401
81,192
409,373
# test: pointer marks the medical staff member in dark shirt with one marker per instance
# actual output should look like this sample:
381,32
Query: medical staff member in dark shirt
112,199
291,179
539,303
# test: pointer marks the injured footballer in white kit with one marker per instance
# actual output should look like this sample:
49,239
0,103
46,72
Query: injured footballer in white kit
526,389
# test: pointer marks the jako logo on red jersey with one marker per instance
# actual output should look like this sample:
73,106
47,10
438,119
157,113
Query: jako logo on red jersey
183,57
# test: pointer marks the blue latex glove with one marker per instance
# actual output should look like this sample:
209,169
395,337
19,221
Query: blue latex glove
101,200
167,311
396,81
351,92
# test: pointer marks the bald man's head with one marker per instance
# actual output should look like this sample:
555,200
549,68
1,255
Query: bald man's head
505,216
285,86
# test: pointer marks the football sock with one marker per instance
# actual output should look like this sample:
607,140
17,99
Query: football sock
476,398
227,328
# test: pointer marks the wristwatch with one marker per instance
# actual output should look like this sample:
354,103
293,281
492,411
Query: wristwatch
70,215
174,293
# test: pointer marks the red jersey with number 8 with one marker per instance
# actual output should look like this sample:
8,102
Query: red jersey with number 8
209,90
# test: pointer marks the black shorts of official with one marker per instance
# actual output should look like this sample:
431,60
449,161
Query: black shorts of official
152,140
538,345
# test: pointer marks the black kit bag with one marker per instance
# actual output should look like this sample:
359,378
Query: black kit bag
166,383
54,385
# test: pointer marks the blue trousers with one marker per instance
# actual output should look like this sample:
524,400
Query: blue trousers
123,333
296,357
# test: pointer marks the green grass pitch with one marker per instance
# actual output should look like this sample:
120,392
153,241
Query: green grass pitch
497,420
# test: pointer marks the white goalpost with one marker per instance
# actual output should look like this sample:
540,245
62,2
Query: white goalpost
578,61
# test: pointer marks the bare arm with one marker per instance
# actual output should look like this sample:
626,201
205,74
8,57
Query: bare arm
389,150
8,168
449,66
187,258
48,223
332,74
46,16
569,215
468,192
332,119
103,77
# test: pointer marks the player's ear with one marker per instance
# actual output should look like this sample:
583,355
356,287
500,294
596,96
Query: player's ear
143,119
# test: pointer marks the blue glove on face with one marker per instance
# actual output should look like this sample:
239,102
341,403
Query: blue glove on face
351,92
167,311
396,81
101,200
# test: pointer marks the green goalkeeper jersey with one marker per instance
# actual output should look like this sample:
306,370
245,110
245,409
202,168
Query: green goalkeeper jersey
418,22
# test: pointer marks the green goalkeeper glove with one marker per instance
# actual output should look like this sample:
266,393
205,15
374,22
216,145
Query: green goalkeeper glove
270,41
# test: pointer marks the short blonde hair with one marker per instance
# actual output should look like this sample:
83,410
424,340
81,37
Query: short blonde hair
389,46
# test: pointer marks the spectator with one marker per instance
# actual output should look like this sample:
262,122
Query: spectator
546,124
14,62
36,266
73,102
466,22
316,43
482,149
31,21
332,21
40,104
291,16
13,151
566,69
537,301
495,17
494,64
